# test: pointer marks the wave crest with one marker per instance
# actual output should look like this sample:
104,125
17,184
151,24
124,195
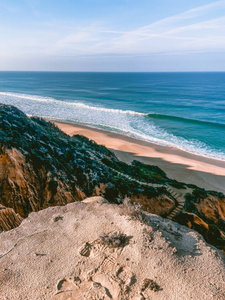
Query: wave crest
181,119
74,104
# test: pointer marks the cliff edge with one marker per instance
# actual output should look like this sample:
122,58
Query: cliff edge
96,250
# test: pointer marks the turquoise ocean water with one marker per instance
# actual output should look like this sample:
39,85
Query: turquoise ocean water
183,110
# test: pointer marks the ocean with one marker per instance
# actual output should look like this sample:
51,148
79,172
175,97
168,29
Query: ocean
181,110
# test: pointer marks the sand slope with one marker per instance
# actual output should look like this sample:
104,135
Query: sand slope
96,250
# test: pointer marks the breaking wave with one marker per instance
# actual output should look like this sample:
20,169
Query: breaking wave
138,125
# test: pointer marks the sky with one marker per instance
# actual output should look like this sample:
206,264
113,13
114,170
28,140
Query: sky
112,36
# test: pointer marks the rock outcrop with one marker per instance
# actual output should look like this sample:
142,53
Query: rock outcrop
96,250
159,205
205,212
210,232
26,189
8,218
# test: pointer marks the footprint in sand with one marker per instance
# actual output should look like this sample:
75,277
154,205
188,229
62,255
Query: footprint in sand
87,290
107,280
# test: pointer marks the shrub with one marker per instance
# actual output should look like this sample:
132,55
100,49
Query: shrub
114,240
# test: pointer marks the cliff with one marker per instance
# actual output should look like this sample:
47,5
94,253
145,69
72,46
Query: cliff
96,250
8,218
40,166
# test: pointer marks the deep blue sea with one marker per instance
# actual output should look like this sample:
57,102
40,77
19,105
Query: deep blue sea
183,110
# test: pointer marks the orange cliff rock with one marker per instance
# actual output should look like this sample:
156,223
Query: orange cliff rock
213,208
8,218
26,190
159,205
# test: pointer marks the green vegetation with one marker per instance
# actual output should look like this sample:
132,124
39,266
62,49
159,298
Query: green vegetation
76,160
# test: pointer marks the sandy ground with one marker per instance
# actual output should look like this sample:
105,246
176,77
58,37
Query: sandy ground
59,253
179,165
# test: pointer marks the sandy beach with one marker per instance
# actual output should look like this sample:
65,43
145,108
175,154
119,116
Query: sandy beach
179,165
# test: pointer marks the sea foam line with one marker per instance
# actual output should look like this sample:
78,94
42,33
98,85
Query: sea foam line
74,104
197,148
181,144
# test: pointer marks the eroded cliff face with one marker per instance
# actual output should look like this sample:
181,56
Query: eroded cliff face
206,214
212,209
211,233
161,205
8,218
26,189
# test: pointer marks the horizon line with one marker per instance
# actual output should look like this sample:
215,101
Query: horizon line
44,71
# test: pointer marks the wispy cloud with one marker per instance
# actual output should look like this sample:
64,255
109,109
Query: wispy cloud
198,29
187,16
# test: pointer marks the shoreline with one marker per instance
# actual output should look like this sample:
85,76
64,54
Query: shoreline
205,172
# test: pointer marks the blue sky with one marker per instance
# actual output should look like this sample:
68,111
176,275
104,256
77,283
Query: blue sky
116,35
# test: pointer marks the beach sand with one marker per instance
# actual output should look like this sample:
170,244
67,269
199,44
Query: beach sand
179,165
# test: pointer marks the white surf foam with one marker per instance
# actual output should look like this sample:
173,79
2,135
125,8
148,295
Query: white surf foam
127,122
75,104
